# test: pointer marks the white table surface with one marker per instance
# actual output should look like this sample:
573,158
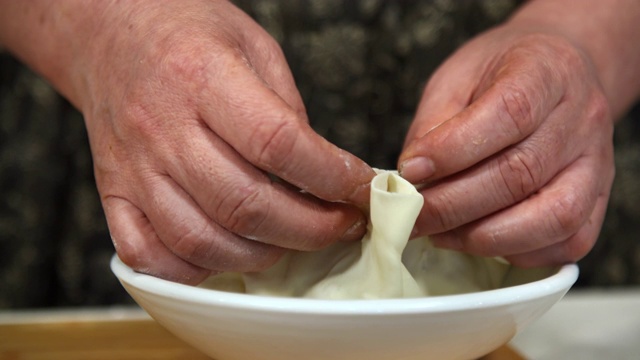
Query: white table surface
594,324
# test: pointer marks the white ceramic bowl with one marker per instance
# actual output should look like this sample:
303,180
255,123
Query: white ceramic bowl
230,326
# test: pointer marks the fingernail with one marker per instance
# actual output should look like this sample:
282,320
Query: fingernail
417,169
356,231
446,241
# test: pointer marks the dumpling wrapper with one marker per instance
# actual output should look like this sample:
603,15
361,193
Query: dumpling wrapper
385,264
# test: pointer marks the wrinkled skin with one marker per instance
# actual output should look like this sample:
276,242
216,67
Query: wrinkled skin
513,144
205,162
187,122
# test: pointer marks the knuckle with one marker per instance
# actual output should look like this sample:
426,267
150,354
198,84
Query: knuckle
519,172
140,120
268,48
220,252
515,110
244,210
272,142
192,245
598,109
567,214
145,111
267,259
440,214
184,63
143,124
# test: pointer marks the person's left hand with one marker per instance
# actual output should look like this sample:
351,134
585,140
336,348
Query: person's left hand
513,143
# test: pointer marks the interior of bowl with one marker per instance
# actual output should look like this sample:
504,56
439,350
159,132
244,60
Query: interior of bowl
520,285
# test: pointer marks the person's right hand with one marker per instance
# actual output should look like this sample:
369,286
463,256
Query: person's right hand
190,106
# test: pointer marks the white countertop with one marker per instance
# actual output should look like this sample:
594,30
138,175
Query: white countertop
594,324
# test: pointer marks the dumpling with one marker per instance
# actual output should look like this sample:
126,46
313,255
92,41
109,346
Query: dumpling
385,264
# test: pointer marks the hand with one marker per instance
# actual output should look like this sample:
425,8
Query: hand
190,107
513,141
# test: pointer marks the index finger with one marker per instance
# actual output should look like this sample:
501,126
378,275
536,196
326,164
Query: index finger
511,108
274,137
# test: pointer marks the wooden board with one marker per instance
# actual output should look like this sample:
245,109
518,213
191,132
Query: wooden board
108,340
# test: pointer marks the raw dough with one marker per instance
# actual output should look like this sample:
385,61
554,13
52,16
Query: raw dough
385,264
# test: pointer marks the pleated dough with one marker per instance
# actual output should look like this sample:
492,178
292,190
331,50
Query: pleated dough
385,264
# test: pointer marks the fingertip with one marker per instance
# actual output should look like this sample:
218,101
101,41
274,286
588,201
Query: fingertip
417,169
356,231
415,233
359,188
190,278
532,260
270,258
360,196
447,241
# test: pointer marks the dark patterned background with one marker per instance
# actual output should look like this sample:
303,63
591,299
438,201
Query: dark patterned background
360,66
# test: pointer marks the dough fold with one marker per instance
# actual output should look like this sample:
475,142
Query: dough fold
385,264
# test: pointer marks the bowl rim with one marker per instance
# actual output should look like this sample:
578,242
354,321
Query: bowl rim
558,283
